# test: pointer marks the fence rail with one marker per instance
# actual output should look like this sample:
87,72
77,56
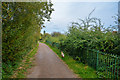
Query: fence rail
106,65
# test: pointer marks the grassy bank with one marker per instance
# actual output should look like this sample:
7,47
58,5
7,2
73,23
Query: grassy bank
25,64
82,70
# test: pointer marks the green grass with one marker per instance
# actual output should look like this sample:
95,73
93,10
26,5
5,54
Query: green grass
26,64
82,70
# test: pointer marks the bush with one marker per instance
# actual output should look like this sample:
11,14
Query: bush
80,38
21,24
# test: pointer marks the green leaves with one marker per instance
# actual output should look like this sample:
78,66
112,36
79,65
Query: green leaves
79,38
21,25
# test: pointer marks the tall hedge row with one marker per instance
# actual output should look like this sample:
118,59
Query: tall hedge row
91,34
21,25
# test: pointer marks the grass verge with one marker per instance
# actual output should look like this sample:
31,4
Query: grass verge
80,69
26,64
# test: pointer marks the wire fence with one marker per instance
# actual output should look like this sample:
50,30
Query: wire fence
106,65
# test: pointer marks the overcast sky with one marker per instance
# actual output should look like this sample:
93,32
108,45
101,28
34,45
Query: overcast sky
66,12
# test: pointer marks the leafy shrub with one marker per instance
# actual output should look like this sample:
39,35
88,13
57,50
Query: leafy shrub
83,36
21,25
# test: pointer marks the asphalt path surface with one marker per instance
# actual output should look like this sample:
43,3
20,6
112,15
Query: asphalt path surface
49,65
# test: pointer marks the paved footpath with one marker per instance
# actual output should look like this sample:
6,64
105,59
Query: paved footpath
48,65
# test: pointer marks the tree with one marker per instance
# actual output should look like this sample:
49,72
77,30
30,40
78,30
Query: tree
55,34
21,25
44,32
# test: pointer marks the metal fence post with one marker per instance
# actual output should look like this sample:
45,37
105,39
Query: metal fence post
118,69
115,68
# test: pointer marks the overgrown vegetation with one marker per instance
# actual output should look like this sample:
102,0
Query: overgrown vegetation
21,25
90,34
27,63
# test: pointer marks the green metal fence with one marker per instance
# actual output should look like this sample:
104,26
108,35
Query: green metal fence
53,43
106,65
